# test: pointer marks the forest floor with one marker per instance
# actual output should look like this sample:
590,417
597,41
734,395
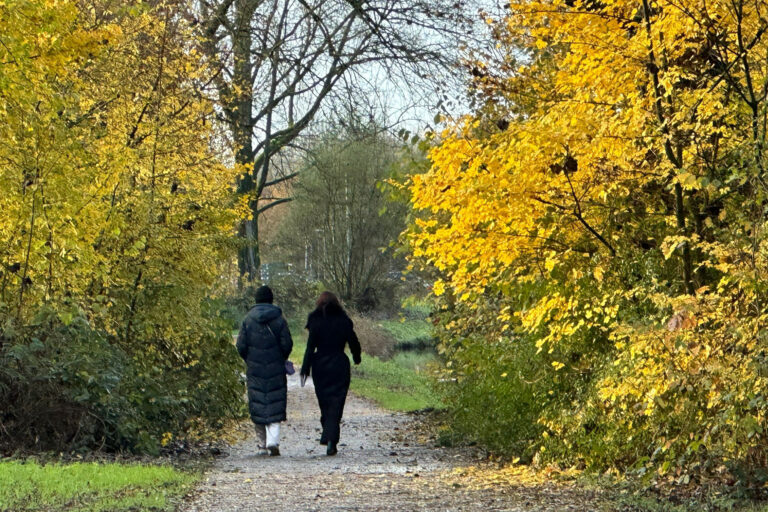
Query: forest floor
386,462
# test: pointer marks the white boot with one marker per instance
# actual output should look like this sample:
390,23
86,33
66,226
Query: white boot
273,438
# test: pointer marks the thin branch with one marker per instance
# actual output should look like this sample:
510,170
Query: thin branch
578,214
280,180
266,207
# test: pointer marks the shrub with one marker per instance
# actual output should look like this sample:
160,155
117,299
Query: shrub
68,387
109,338
496,388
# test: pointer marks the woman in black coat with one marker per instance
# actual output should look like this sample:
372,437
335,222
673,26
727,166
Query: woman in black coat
265,343
330,329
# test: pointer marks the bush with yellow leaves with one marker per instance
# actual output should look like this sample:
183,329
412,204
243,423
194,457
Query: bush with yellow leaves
602,215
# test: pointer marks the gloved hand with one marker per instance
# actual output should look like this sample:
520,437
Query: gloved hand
356,359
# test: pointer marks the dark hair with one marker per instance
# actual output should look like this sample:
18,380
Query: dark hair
327,302
264,295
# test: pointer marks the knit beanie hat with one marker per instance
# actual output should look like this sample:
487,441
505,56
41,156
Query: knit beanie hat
264,294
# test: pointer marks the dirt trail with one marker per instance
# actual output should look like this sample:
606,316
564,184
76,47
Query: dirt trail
381,466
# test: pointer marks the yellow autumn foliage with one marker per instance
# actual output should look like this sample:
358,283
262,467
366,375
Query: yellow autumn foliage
116,214
110,188
605,205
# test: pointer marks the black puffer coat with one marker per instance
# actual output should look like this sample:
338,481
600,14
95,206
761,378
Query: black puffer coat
264,343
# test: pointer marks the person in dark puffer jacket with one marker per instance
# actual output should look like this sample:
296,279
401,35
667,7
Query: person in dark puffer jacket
265,343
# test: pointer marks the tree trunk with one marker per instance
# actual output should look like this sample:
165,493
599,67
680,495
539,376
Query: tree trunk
248,260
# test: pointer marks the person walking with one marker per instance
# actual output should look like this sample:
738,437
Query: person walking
330,330
265,343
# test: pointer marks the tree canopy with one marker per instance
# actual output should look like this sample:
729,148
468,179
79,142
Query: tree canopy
115,220
340,226
605,207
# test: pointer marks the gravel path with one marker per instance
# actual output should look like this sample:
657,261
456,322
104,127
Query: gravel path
384,464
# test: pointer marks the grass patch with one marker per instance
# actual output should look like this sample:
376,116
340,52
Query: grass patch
417,307
416,361
408,330
393,386
401,383
91,486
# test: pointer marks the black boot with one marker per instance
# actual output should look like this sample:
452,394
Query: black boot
331,449
323,440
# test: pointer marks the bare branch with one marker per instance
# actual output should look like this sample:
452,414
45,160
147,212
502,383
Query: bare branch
266,207
281,179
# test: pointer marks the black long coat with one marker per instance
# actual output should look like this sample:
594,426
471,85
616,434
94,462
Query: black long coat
265,343
325,359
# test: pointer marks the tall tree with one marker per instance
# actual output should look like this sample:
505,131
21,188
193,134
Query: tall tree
340,224
606,205
115,224
280,61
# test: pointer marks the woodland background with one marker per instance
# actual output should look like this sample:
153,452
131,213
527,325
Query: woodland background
590,232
